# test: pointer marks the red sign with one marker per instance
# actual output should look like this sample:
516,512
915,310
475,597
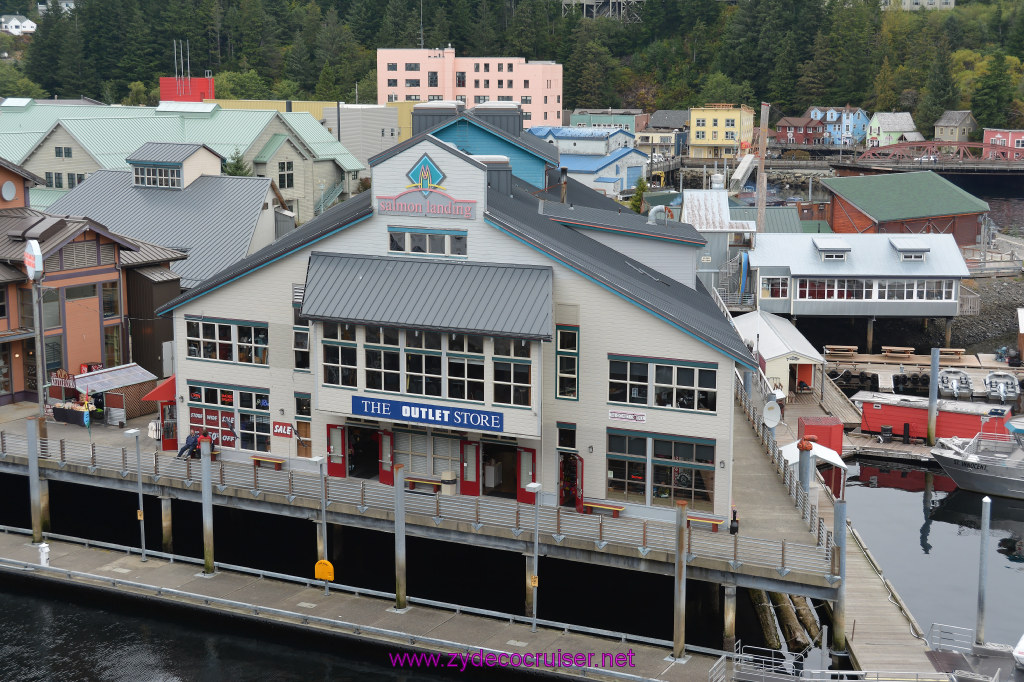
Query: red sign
212,418
227,438
195,416
282,429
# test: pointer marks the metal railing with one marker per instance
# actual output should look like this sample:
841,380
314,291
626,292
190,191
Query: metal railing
737,299
634,534
969,303
942,637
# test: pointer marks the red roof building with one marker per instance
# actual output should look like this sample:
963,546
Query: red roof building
799,130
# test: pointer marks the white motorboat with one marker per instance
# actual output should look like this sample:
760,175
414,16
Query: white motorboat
989,463
955,384
1002,386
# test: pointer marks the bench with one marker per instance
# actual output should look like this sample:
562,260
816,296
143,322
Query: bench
840,351
613,508
710,519
265,461
423,480
952,352
897,352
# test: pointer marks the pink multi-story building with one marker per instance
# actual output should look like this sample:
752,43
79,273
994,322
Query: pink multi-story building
1006,138
438,75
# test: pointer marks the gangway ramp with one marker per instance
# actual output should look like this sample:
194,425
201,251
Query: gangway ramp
742,172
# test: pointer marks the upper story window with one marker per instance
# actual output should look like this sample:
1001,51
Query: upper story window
62,152
427,242
412,66
526,99
775,287
392,66
412,82
678,386
714,122
157,176
567,361
833,255
526,84
730,123
487,67
246,342
392,82
431,79
480,99
500,67
509,69
476,67
460,79
700,122
285,174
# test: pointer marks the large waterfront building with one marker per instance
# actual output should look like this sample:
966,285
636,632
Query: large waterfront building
450,320
720,131
433,75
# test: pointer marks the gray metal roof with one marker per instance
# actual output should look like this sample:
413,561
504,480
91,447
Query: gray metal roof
449,296
692,310
51,231
149,254
777,218
155,273
166,152
11,274
576,193
212,219
623,221
870,255
335,218
670,118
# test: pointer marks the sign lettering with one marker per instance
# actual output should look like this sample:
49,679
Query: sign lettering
425,197
636,417
62,379
451,417
283,429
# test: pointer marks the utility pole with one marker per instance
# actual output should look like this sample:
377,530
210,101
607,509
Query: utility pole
762,179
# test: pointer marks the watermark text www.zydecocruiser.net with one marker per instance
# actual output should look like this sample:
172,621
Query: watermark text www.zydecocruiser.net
482,659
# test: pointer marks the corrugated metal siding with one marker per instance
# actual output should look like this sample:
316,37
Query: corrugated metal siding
484,298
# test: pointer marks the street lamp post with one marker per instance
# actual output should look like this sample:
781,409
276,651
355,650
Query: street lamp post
534,488
323,514
138,472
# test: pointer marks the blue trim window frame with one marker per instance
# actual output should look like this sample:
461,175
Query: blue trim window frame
303,407
567,361
428,242
513,378
660,469
235,341
691,386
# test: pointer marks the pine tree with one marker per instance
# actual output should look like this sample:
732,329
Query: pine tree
782,83
236,165
363,18
327,86
941,93
137,62
993,96
75,76
44,51
636,202
885,97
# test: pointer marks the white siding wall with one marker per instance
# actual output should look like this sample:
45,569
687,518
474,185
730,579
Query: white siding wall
265,230
678,261
203,162
609,325
43,158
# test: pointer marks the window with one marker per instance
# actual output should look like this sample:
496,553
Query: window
412,82
252,344
714,134
49,179
714,123
527,116
71,181
558,100
412,66
339,365
339,331
824,289
487,67
80,292
385,336
437,243
912,256
67,152
546,101
627,468
487,83
392,97
896,289
460,98
112,346
730,123
545,115
567,436
58,152
303,405
3,302
567,362
431,79
480,99
300,347
53,351
466,378
1018,143
111,300
392,66
833,255
730,135
460,79
58,180
153,176
209,340
504,98
775,287
683,471
512,383
383,367
526,84
509,69
701,122
80,178
500,66
699,134
254,430
526,99
412,98
285,174
435,98
392,82
476,82
476,67
501,83
937,289
627,382
508,84
686,388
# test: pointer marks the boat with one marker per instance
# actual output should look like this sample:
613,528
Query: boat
989,463
1002,386
956,384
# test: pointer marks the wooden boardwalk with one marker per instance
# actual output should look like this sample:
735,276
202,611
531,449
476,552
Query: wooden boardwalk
977,366
882,633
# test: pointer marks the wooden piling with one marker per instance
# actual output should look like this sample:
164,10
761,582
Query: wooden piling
805,614
796,638
766,615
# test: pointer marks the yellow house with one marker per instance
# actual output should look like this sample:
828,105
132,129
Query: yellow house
720,131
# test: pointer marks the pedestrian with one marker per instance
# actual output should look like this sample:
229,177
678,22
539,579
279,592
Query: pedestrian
190,442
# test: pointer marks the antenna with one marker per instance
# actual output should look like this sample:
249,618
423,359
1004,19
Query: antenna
421,24
189,81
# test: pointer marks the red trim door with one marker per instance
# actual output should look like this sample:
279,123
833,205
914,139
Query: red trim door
337,451
579,484
526,468
469,481
387,472
168,425
561,486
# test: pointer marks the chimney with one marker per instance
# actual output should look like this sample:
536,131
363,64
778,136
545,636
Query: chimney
429,114
499,173
563,180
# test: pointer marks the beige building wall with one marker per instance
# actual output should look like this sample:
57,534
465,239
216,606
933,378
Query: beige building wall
203,162
44,159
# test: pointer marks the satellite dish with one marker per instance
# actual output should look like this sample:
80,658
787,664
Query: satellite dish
8,191
772,414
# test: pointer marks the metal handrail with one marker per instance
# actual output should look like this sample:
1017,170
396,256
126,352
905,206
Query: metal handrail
647,535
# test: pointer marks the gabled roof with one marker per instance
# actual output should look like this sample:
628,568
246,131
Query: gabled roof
774,336
669,118
839,110
529,143
270,148
797,121
903,196
495,299
166,152
337,217
869,255
690,310
55,230
954,118
894,122
583,163
212,219
425,137
576,193
623,221
309,131
18,170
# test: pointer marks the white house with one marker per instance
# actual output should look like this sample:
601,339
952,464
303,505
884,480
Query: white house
16,24
586,141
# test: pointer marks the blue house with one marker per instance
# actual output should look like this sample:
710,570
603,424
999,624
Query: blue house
611,174
843,125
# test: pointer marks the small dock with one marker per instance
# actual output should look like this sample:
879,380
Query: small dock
885,366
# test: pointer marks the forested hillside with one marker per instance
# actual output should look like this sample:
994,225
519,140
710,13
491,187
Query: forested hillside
790,52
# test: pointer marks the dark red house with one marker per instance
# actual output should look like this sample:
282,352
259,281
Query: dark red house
799,130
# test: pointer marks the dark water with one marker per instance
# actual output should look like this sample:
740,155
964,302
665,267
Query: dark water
66,635
930,549
1005,197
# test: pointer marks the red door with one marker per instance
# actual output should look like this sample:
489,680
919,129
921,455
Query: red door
387,473
337,452
579,484
469,481
561,480
168,425
526,466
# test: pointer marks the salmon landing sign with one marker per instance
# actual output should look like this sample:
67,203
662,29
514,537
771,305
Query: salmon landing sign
425,197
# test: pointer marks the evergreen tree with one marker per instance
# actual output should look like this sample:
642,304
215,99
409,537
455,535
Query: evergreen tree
327,86
885,97
363,18
236,165
44,51
484,38
636,202
137,62
940,94
13,83
137,95
75,76
782,83
817,75
993,96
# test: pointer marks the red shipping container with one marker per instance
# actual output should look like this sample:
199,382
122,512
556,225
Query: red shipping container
829,431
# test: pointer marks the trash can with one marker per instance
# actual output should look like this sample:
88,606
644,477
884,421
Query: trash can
886,433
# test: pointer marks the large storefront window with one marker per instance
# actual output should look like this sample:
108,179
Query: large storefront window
245,343
683,471
775,287
236,417
627,468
